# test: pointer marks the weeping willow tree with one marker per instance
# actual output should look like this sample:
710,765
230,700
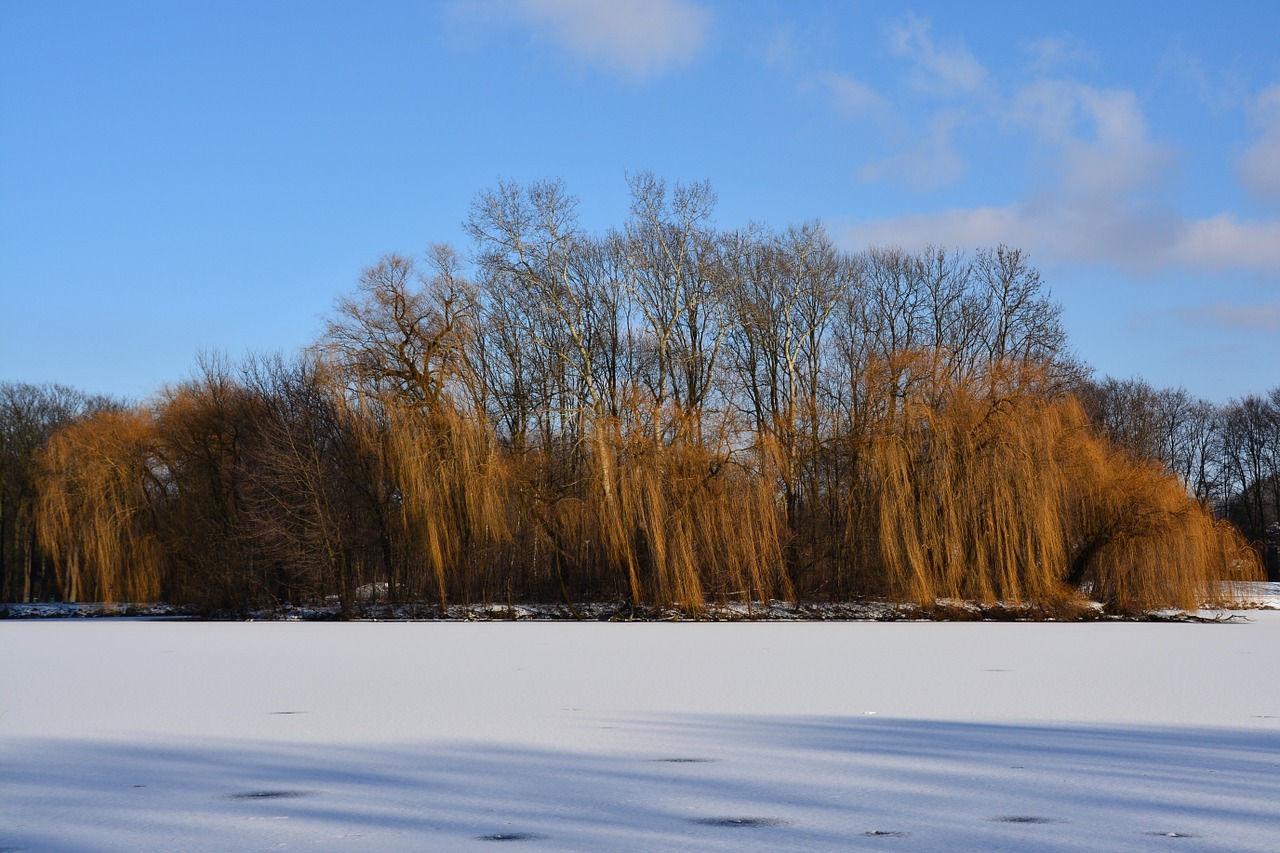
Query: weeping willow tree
98,489
686,520
1140,542
1015,498
455,489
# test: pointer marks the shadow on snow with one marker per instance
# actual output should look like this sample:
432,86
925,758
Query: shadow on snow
776,783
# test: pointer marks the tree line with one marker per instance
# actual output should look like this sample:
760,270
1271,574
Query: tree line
666,413
1228,456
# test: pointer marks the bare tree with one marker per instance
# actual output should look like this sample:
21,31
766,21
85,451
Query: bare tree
1024,324
674,281
527,239
1251,457
402,335
778,340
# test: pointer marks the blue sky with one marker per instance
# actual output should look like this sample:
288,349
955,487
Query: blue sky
180,177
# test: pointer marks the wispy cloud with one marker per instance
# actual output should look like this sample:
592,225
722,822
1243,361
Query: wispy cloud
782,51
1259,166
1234,316
1133,238
1100,191
1221,90
1099,198
924,156
940,71
638,39
1226,242
1098,137
853,98
967,227
932,162
1052,54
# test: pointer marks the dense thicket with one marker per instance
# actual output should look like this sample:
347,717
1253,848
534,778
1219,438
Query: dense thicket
668,413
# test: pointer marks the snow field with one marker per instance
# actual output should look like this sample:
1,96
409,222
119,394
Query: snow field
137,735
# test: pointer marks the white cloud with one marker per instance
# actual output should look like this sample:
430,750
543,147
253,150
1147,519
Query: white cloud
635,38
1259,166
937,71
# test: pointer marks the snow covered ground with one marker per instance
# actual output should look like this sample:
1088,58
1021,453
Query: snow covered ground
135,735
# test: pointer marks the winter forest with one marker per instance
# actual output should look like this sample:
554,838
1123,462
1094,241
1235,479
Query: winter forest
668,414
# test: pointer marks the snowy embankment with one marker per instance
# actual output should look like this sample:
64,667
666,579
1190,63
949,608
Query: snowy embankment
1246,596
135,735
1264,596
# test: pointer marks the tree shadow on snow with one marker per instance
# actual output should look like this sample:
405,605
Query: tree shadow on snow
688,782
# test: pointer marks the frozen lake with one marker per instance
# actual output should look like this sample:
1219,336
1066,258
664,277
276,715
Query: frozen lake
136,735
